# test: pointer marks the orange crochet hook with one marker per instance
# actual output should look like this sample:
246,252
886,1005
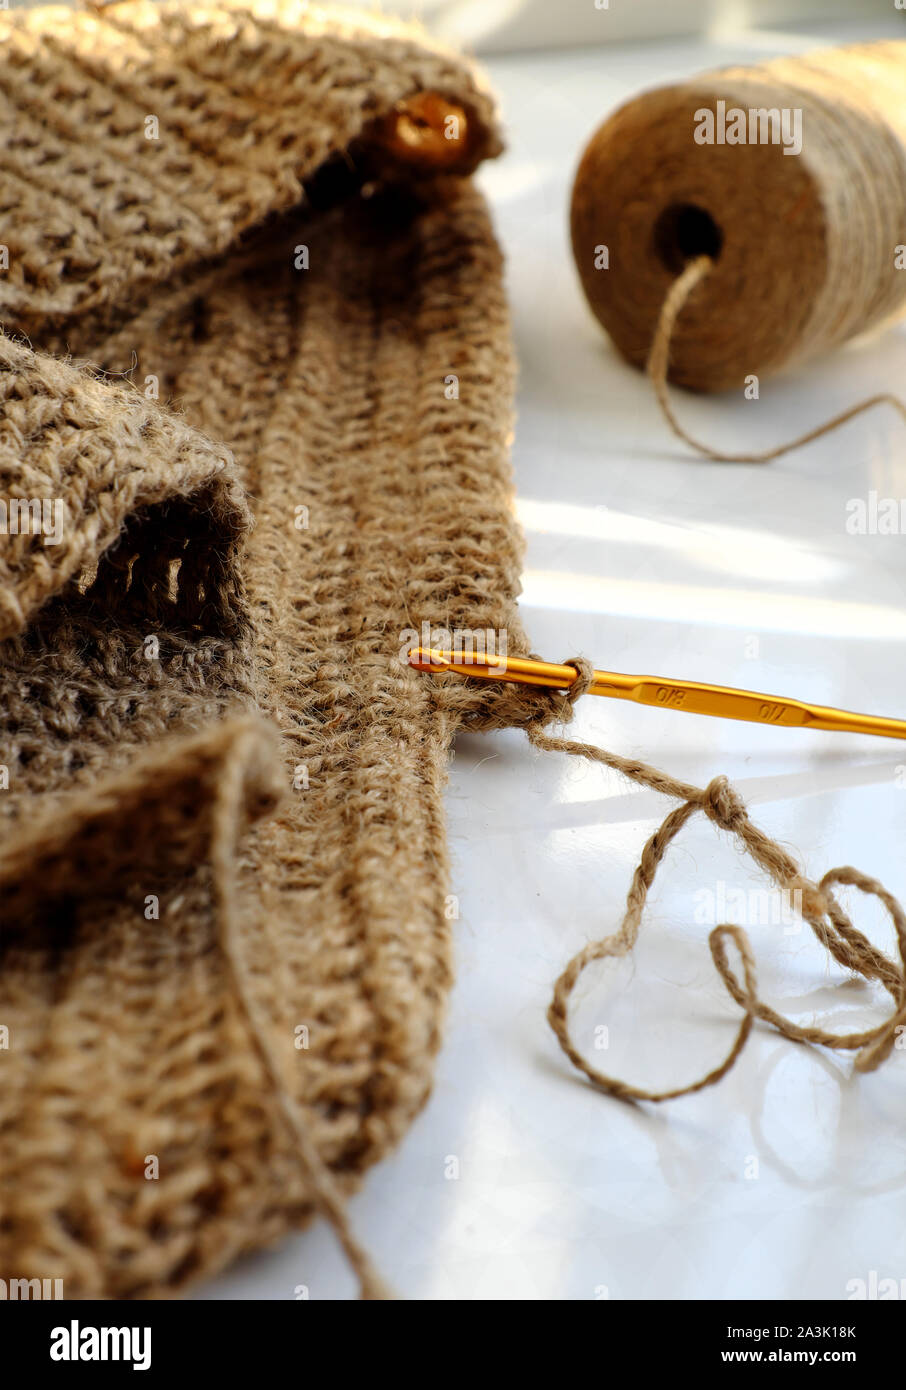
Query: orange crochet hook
693,697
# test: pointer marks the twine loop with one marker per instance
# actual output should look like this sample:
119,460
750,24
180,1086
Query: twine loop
726,810
584,678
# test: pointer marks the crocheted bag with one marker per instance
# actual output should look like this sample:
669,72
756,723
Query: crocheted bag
209,1028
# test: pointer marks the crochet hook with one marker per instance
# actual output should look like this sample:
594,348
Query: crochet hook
693,697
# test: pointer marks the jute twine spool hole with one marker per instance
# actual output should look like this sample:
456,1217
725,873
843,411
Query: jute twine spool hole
803,247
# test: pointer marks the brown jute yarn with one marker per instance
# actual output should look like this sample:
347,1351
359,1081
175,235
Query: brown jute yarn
803,245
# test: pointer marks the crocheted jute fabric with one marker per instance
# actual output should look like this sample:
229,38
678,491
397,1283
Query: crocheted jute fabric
224,950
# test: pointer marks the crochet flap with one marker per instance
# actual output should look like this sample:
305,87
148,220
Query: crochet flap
82,463
173,793
139,138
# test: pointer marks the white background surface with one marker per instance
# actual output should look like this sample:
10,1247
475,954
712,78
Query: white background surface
649,560
512,26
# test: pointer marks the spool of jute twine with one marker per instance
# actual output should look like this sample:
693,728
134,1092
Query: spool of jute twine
748,220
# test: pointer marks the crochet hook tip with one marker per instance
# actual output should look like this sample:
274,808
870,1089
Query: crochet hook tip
430,659
426,659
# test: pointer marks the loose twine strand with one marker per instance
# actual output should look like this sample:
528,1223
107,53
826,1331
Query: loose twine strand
659,362
226,828
815,901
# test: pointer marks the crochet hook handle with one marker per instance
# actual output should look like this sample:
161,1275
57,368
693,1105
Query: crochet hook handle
693,697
